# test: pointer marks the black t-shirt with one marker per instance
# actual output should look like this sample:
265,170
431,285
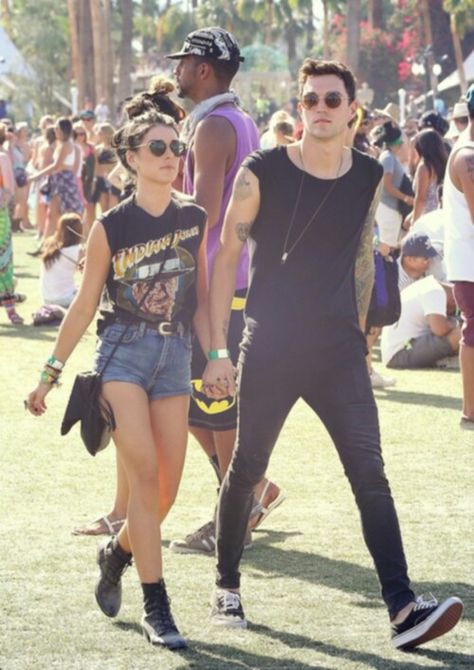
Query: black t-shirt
308,303
152,250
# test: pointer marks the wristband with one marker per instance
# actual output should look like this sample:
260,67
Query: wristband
215,354
54,363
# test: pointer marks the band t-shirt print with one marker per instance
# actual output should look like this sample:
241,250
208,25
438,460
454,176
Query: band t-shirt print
156,256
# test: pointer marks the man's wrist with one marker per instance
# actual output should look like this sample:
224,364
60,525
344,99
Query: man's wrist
216,354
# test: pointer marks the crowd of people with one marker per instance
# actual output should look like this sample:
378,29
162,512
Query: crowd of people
316,238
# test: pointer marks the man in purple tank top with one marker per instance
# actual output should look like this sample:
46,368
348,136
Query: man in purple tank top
219,135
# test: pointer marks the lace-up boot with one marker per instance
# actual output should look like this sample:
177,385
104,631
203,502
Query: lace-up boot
157,623
112,561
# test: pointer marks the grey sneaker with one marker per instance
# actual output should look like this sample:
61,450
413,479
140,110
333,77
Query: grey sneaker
227,610
203,541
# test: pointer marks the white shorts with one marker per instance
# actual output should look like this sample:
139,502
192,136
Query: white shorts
389,222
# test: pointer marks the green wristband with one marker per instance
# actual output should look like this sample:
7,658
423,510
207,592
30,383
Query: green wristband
215,354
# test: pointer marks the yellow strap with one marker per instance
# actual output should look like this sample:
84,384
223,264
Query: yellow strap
238,304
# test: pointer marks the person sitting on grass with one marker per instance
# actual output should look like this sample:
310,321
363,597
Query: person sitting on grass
60,258
425,332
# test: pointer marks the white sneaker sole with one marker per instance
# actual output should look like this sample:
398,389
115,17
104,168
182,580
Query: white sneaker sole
442,620
183,549
228,622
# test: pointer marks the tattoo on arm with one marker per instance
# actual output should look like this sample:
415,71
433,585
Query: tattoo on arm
470,167
243,186
242,231
364,266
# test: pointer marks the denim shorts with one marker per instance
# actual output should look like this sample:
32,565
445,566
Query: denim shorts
159,364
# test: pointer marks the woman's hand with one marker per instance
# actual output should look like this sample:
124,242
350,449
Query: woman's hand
35,402
218,380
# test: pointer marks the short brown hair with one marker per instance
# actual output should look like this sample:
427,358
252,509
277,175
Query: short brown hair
3,133
315,68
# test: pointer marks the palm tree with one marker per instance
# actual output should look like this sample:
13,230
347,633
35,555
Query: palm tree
125,66
428,35
109,56
97,22
353,34
459,13
86,49
76,62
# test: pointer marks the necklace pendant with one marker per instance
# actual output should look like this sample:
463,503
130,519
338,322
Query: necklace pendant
284,257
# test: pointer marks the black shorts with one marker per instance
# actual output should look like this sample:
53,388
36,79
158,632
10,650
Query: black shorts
205,412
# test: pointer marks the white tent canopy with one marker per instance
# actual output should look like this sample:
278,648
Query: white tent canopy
452,80
11,60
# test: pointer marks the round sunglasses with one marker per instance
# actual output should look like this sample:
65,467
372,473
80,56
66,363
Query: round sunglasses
333,100
158,147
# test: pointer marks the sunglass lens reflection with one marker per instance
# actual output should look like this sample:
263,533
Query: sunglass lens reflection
331,100
158,147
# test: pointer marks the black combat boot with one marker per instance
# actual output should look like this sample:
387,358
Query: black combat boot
112,561
157,623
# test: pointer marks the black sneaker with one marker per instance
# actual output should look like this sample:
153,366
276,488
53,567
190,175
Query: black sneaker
158,624
426,621
226,609
112,561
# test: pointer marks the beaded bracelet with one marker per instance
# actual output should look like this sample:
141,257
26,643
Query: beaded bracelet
46,378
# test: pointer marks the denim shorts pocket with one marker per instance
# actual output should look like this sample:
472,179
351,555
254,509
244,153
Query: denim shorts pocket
113,334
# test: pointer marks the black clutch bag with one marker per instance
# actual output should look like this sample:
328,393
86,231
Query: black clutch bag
87,405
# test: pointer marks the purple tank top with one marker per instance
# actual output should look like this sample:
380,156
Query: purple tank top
247,141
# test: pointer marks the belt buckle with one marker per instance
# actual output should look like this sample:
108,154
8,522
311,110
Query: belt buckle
165,328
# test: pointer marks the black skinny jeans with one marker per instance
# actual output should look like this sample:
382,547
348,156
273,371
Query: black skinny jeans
342,397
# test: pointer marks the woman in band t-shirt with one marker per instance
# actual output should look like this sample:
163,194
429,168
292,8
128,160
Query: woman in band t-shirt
149,253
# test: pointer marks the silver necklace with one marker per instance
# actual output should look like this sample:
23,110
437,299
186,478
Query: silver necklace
286,251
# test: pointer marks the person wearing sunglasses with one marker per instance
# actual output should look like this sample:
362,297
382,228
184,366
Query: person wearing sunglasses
149,256
308,211
219,134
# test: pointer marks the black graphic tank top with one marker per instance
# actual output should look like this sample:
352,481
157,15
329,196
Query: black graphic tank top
154,254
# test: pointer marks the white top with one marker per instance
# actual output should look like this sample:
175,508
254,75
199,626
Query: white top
459,226
57,281
420,299
70,157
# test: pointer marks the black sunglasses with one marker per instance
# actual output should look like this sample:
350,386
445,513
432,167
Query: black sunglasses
158,147
333,100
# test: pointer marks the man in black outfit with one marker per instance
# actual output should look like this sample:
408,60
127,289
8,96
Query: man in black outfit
307,211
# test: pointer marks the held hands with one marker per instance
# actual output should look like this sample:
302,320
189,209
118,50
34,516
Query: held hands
218,380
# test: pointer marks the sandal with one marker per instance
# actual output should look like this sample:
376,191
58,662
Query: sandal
260,511
103,526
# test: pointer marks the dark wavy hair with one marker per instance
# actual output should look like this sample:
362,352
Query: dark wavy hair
145,110
430,146
68,233
314,68
157,99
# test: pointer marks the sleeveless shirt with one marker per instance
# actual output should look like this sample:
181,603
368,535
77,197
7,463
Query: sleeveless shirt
247,140
148,250
308,303
459,227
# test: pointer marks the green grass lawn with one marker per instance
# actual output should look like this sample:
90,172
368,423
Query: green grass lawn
310,591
